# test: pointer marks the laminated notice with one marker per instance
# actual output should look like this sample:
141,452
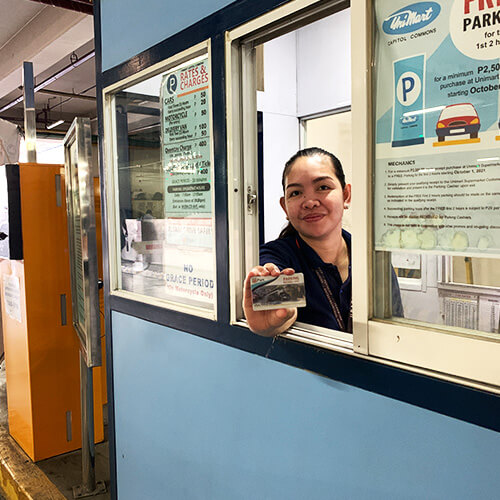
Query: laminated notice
276,292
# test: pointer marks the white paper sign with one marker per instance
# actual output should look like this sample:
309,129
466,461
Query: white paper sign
9,143
12,297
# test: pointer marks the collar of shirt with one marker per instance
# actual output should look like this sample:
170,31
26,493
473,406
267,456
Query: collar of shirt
316,261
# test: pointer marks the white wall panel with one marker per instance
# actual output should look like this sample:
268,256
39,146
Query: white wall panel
324,81
278,103
281,141
280,76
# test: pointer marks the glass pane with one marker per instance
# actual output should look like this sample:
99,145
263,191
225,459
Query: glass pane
165,177
77,257
297,84
436,168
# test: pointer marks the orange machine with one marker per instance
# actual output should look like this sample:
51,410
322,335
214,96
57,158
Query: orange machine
41,346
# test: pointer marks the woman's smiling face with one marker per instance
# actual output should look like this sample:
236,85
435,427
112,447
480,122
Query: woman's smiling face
314,200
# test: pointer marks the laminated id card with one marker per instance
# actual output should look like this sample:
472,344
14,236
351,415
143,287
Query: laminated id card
276,292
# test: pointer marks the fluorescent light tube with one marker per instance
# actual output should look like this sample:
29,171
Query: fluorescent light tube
55,124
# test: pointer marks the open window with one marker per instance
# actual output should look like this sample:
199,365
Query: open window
160,161
284,94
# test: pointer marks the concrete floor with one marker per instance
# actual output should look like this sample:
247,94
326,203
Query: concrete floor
64,471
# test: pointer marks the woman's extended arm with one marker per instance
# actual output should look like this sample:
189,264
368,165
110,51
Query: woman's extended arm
267,323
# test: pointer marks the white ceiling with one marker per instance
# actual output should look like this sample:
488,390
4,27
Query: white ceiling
47,36
15,14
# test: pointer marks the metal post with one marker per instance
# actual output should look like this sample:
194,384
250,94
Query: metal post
89,487
88,446
29,111
383,289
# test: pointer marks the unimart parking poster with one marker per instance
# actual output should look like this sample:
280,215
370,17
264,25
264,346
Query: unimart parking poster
437,154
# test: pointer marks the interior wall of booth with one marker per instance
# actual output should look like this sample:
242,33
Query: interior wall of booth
299,82
197,419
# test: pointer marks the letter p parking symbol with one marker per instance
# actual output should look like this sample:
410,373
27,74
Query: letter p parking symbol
171,84
408,88
408,85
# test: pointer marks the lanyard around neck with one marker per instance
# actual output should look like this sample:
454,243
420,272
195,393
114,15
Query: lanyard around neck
331,299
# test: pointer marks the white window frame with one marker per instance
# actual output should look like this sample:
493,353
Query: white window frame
111,181
467,358
416,284
447,276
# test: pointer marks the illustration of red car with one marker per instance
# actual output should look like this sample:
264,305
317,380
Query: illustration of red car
457,119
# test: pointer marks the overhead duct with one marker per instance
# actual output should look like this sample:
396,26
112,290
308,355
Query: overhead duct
84,6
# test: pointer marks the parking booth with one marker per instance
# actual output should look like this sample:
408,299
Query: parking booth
199,110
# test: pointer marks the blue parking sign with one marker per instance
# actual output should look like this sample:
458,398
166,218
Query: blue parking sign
408,119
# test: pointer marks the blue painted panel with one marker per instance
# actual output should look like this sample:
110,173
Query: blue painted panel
199,420
129,26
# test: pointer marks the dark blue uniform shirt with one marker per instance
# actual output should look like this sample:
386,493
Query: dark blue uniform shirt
294,252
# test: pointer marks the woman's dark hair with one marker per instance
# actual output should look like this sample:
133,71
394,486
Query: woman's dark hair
289,230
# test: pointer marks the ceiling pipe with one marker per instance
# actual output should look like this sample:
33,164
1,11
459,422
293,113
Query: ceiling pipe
19,120
52,79
69,95
83,6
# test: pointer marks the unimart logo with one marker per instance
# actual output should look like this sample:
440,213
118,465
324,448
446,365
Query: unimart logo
411,18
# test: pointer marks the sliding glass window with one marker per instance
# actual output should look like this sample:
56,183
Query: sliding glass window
161,196
436,196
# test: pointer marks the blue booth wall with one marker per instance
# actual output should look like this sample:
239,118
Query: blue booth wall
130,26
195,419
